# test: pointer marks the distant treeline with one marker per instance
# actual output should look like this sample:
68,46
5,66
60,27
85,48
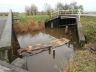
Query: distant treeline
33,9
3,13
6,13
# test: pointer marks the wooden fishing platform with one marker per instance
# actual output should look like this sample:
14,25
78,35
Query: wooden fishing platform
38,48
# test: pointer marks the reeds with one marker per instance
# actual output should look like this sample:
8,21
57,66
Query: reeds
29,26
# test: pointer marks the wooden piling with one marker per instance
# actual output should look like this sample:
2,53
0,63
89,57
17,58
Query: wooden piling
49,50
66,29
53,54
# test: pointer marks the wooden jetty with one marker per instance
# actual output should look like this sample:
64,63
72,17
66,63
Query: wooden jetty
38,48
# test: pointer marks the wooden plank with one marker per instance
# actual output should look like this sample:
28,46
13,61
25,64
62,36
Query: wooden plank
67,25
32,50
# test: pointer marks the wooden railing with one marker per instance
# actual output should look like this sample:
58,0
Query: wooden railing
57,13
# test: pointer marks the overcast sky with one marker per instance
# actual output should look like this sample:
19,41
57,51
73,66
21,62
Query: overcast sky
19,5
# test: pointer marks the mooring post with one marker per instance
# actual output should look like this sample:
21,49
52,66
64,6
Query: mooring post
49,50
79,13
66,29
51,24
53,54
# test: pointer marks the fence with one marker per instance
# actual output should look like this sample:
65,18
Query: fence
64,12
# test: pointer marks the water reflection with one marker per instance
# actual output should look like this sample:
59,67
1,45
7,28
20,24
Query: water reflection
28,39
44,62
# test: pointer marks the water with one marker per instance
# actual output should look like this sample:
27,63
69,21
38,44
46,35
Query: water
45,62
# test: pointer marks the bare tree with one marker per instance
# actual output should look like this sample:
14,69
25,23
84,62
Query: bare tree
66,7
81,8
74,5
59,6
47,8
71,6
32,10
27,10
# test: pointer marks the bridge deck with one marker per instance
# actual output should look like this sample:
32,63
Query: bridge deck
8,40
6,26
2,25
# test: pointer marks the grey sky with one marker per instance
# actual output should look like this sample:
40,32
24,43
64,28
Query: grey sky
19,5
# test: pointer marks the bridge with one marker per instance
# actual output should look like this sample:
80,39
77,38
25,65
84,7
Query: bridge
57,13
9,45
8,40
67,18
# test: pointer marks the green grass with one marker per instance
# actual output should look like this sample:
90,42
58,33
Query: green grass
24,18
84,60
89,27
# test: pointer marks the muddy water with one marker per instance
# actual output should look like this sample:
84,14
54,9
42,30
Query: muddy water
45,62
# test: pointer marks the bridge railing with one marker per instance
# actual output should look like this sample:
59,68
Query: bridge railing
57,13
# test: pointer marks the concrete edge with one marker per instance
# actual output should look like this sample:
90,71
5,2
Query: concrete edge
12,67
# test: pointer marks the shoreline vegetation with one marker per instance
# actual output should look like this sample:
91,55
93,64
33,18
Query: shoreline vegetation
31,23
29,26
84,59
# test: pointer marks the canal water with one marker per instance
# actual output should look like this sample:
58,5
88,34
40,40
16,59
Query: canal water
45,62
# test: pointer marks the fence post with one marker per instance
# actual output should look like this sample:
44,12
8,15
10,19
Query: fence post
79,14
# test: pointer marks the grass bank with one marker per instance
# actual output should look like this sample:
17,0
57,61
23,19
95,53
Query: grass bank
89,27
85,59
29,26
30,23
24,18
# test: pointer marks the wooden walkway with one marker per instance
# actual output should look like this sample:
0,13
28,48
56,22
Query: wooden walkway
57,13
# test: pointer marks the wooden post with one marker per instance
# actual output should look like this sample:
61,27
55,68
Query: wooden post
66,29
51,24
53,54
49,50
